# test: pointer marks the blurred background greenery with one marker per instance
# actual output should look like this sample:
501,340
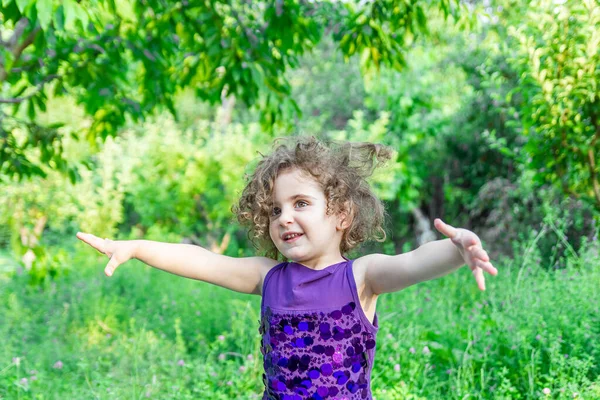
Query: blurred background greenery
140,120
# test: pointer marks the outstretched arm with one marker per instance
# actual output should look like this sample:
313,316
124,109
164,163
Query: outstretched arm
240,274
385,274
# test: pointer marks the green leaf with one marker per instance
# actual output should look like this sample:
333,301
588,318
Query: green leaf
73,175
39,101
44,12
82,16
8,58
59,18
421,18
70,14
30,110
22,5
112,6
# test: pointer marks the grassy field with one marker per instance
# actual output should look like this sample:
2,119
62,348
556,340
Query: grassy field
147,334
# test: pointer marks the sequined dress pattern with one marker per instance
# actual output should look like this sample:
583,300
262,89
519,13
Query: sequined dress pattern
311,349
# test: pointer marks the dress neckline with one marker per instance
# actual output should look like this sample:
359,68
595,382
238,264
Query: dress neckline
329,267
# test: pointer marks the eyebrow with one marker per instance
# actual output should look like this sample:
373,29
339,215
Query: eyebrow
294,197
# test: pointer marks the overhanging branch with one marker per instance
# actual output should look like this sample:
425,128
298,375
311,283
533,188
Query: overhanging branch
39,87
17,48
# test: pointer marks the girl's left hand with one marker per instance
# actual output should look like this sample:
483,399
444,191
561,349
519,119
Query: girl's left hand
469,246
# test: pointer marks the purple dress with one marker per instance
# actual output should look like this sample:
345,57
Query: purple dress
317,343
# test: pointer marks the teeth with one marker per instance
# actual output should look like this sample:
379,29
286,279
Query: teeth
293,235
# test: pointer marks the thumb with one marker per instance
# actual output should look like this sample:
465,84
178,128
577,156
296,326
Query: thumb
445,229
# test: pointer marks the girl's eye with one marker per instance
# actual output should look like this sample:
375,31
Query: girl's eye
302,202
275,211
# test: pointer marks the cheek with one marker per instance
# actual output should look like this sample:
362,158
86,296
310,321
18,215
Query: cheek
272,231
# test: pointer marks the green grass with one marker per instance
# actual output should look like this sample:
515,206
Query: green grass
148,334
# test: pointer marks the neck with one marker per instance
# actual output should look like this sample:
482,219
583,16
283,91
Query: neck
318,263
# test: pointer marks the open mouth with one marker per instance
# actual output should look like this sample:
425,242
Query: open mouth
292,238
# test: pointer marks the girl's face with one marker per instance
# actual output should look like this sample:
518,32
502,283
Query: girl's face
299,225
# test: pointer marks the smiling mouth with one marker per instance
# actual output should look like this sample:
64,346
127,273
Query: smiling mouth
293,237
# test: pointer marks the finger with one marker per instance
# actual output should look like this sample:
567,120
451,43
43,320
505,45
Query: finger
92,240
487,267
480,253
473,241
111,266
478,272
444,228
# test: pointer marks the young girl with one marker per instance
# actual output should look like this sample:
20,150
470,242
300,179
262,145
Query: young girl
309,203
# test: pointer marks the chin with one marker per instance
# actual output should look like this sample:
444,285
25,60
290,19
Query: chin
294,255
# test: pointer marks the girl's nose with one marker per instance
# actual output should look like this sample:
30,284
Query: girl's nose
286,217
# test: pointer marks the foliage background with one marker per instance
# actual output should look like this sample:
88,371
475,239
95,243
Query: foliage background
492,108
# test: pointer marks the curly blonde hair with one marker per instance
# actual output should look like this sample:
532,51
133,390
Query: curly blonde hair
340,168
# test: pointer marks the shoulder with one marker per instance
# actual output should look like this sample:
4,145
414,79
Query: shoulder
264,266
365,268
362,264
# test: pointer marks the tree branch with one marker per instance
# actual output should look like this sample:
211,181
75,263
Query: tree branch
591,157
29,40
39,87
17,50
18,32
594,178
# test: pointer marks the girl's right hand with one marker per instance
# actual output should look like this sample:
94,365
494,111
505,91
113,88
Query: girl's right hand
119,251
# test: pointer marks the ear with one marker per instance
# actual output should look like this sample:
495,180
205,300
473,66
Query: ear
345,217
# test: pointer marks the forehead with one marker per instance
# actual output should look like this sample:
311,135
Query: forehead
294,181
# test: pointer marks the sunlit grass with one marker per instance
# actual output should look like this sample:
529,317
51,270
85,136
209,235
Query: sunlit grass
148,334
